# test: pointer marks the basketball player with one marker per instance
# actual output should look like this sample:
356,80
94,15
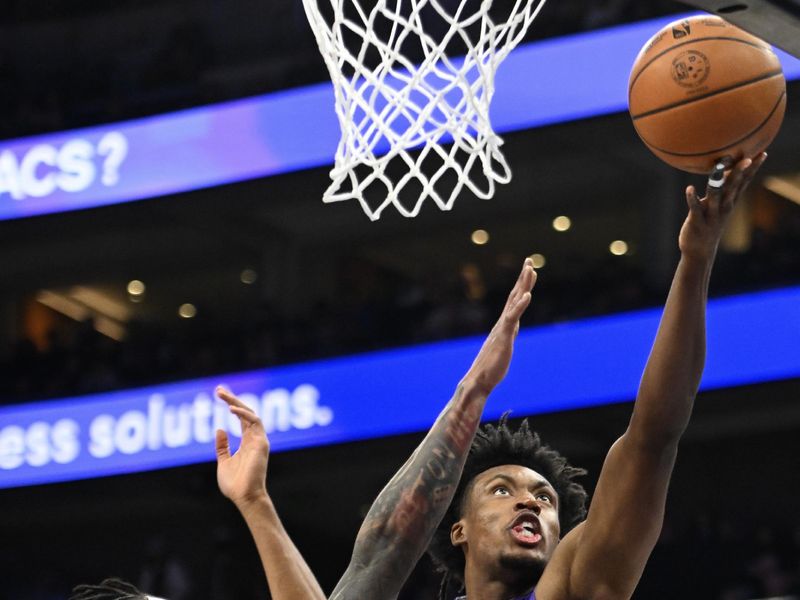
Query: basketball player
513,528
240,478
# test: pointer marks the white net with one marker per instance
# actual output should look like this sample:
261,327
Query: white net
414,119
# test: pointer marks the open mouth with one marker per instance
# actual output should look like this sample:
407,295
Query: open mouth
526,530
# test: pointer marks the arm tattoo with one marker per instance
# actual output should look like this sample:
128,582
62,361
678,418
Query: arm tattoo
402,520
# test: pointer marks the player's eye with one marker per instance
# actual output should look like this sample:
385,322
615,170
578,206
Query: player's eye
501,491
545,497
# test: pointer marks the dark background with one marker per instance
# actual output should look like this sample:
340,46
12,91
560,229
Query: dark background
329,283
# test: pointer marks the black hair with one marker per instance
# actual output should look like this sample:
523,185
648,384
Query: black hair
108,589
499,445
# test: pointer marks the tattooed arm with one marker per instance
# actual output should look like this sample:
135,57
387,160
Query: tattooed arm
403,518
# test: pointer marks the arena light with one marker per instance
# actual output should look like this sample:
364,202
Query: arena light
100,303
136,287
538,260
187,311
64,305
110,328
618,247
562,223
248,276
786,186
480,237
81,303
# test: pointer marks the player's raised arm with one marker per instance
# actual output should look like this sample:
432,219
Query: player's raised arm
242,479
605,556
403,518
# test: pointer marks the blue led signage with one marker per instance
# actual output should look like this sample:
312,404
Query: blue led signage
751,338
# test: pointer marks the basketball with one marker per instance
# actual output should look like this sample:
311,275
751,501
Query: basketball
702,89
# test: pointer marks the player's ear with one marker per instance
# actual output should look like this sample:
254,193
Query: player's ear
458,534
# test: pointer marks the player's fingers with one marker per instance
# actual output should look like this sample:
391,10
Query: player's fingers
245,414
755,165
740,169
524,274
519,308
734,184
526,283
230,398
514,312
728,161
222,446
750,172
533,279
513,296
716,182
692,201
250,421
251,424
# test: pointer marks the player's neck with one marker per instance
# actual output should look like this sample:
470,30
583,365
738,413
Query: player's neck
480,584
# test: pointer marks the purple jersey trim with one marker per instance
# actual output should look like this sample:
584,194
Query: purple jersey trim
531,596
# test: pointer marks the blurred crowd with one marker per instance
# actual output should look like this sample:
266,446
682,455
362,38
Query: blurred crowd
376,308
724,561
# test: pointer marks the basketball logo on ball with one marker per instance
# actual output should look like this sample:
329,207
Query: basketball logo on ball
682,30
728,102
690,69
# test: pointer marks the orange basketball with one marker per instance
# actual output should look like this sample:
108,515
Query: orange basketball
702,89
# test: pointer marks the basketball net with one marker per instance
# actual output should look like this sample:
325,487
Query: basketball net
400,97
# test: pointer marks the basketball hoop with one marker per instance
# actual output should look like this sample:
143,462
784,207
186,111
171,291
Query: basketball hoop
401,95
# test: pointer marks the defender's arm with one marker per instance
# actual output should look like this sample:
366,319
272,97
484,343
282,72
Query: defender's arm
403,518
242,478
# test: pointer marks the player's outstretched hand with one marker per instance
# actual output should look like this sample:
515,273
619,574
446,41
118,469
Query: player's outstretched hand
242,476
708,215
494,358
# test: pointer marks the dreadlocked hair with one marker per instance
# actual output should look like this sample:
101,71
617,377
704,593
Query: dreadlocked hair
499,445
108,589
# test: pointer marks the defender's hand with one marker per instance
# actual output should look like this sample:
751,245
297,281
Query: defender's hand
494,358
242,476
708,216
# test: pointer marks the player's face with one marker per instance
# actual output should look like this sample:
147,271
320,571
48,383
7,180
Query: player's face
510,521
